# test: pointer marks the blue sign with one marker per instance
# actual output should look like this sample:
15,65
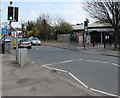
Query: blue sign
4,30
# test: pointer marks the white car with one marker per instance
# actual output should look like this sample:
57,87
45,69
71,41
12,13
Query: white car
35,41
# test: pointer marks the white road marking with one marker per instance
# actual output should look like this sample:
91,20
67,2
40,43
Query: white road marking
102,92
115,64
56,69
67,61
58,63
80,59
98,61
46,65
78,80
37,48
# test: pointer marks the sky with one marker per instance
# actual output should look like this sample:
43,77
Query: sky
70,11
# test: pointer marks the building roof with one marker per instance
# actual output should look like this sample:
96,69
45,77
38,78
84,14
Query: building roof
78,27
96,26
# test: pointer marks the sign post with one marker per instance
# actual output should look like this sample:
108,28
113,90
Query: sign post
4,31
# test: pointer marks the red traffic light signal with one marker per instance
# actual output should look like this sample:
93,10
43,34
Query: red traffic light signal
10,13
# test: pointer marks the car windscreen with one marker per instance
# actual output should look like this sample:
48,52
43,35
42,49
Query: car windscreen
24,40
35,39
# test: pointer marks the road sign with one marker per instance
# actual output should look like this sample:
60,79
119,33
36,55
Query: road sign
4,30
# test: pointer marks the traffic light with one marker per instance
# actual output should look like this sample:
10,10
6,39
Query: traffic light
85,23
10,13
16,14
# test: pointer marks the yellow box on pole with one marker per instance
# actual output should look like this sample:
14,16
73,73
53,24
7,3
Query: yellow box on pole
14,43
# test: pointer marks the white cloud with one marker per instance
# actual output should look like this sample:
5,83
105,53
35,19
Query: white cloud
73,13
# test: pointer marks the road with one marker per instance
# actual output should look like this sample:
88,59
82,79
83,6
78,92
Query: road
97,71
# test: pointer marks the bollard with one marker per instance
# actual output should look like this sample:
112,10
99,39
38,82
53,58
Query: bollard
3,48
22,56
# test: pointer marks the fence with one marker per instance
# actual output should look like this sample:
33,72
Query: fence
75,42
8,47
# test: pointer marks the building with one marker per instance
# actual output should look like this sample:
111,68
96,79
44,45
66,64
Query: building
98,33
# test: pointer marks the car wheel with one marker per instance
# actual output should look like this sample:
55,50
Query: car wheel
14,47
30,47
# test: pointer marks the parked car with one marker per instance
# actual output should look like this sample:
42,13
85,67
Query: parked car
35,41
25,43
14,42
6,39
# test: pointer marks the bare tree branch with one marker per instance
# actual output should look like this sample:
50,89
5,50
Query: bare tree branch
106,11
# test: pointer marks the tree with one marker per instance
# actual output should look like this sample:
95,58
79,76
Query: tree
29,25
43,23
64,28
106,11
47,28
61,26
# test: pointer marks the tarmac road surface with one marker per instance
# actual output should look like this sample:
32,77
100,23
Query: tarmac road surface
97,71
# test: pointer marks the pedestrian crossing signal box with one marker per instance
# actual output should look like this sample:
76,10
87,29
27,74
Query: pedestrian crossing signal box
13,13
10,13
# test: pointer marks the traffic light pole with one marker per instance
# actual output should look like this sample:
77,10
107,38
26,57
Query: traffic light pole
13,16
16,45
16,40
84,39
85,30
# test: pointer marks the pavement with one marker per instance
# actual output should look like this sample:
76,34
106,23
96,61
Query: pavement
34,80
97,49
